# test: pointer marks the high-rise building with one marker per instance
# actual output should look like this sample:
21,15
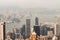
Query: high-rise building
37,27
36,21
28,28
2,31
57,30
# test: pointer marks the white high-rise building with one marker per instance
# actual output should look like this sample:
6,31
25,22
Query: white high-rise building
1,30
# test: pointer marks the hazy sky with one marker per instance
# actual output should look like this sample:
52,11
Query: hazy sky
51,4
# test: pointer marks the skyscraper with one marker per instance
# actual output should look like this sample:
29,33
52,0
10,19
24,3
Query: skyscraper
57,30
2,31
28,27
37,27
36,21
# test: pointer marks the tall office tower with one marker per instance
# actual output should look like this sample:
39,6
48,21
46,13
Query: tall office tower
36,21
28,28
2,31
37,27
57,30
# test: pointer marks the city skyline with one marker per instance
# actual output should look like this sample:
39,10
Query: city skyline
18,11
30,19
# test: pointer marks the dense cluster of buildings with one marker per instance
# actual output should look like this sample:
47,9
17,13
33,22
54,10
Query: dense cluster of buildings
44,31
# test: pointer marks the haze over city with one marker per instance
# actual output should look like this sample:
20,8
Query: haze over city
29,19
46,10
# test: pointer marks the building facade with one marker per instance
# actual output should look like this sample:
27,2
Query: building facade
57,30
28,28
